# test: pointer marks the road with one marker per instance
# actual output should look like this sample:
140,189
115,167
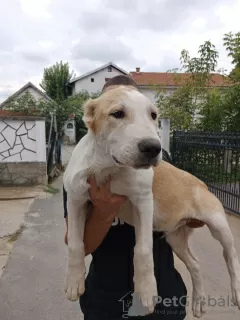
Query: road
31,286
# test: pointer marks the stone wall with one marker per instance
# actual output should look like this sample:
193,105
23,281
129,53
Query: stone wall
22,150
24,173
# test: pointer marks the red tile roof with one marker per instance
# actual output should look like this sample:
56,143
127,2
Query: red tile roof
6,113
172,79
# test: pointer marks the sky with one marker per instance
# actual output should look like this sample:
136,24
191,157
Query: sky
149,34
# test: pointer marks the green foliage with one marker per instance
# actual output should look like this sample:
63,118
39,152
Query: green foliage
27,105
195,104
55,81
200,68
232,44
211,111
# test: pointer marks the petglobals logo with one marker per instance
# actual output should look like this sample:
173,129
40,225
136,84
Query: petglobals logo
132,304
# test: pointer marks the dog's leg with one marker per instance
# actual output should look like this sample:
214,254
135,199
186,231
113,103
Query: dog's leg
75,277
144,279
178,240
220,230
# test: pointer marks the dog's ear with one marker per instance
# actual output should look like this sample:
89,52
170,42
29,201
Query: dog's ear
89,112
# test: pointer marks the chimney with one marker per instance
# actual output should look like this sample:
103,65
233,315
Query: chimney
137,70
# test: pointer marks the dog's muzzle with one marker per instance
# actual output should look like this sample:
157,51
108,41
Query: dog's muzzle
150,150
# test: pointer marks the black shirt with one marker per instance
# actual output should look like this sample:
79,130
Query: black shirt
109,283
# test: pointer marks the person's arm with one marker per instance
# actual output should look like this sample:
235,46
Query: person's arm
96,229
99,221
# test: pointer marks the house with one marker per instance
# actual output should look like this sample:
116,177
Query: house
36,93
94,80
148,82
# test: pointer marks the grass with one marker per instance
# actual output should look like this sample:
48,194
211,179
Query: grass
51,189
16,234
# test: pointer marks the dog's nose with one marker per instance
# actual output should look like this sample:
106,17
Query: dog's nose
150,147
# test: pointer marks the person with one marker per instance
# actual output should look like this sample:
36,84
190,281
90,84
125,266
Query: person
109,288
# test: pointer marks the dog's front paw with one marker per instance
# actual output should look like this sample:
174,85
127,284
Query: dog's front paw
199,307
147,291
74,285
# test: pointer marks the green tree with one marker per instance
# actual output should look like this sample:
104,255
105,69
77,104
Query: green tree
55,81
27,105
200,68
232,44
186,103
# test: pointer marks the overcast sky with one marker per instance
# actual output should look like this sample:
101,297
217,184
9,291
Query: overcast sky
133,33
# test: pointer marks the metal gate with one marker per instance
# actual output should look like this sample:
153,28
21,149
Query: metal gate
53,148
213,157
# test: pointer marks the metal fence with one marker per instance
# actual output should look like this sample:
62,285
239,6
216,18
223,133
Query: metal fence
215,159
53,148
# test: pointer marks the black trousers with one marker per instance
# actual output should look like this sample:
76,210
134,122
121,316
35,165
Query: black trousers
111,278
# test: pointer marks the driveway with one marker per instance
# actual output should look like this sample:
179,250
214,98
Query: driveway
31,287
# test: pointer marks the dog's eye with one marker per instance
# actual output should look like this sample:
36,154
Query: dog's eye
154,115
118,114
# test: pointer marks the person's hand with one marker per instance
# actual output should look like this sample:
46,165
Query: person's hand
106,204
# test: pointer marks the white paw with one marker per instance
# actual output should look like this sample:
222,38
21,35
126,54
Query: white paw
199,307
74,285
147,291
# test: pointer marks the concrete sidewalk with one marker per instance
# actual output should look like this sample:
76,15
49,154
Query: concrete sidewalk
12,214
14,203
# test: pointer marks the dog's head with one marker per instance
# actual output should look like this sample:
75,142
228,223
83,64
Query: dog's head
124,122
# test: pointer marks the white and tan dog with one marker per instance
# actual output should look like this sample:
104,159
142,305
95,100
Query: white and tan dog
122,141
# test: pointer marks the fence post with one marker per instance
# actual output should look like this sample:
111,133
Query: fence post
165,134
173,146
227,160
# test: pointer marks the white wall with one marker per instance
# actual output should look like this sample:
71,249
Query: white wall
70,133
99,81
164,133
22,140
150,92
35,94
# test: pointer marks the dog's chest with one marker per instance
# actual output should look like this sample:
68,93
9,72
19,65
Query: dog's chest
125,181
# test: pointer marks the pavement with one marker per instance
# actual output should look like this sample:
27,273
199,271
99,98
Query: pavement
14,203
31,286
66,153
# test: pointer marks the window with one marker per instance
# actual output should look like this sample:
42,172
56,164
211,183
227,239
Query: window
92,79
109,69
69,125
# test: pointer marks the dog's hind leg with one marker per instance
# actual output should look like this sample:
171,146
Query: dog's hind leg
178,240
75,277
220,230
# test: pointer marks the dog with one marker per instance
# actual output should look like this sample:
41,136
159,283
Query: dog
122,141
